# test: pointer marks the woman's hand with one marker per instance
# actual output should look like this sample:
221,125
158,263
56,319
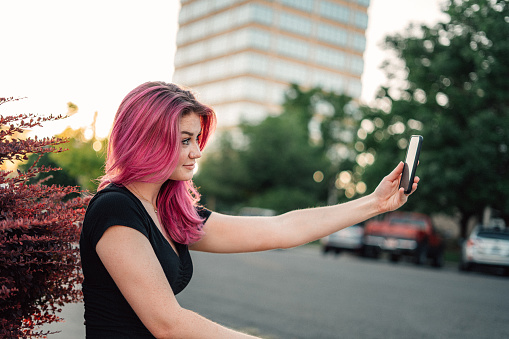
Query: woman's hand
388,194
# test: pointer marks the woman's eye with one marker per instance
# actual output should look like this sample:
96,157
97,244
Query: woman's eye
186,141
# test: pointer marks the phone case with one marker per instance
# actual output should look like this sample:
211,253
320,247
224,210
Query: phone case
407,178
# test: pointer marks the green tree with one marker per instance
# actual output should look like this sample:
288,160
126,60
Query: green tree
83,162
287,161
455,95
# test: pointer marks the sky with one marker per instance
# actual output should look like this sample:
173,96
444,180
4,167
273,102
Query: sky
92,53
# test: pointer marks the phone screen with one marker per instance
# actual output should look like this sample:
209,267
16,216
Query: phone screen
411,160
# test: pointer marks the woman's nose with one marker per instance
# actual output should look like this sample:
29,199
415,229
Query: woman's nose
195,152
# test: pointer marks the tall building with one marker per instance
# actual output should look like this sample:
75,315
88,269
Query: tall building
240,55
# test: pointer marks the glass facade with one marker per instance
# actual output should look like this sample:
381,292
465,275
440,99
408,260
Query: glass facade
298,24
295,24
333,35
292,47
305,5
336,12
241,54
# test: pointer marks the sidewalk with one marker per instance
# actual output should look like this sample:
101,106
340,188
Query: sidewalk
72,327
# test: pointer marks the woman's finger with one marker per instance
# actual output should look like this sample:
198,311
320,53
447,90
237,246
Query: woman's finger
414,187
396,172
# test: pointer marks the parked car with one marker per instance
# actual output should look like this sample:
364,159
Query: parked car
486,246
404,234
347,239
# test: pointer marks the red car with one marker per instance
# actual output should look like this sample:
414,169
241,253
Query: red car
404,234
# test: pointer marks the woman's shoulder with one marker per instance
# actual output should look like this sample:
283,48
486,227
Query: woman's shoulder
114,199
113,194
114,205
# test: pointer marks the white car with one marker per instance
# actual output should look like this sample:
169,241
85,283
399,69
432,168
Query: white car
348,239
486,246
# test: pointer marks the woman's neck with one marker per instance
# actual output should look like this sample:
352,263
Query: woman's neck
145,190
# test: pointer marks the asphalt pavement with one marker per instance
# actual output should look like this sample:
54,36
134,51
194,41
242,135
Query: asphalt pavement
300,293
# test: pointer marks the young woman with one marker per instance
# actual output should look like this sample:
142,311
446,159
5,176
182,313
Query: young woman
143,221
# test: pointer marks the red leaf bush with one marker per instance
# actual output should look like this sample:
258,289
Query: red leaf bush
39,233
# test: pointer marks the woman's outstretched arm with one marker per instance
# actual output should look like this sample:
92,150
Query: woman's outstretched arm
228,234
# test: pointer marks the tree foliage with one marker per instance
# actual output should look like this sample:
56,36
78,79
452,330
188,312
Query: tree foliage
287,161
39,265
83,161
455,95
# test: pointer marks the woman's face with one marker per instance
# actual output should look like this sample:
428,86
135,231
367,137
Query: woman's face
190,128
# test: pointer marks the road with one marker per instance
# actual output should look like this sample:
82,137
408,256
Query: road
299,293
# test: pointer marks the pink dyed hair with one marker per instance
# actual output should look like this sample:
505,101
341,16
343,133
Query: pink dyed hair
144,145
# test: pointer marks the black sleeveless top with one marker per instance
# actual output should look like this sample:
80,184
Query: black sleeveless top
107,312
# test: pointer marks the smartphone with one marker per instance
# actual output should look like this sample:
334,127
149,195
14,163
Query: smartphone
411,160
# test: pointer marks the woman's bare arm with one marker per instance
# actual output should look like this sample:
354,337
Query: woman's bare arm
133,265
226,234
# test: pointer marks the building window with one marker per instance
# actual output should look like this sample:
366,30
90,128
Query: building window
258,64
356,65
197,30
197,9
361,20
259,39
289,72
219,4
219,45
219,22
334,11
201,8
331,34
330,58
328,81
214,69
305,5
223,44
276,92
195,52
254,89
293,47
182,36
261,14
295,23
184,15
240,16
358,42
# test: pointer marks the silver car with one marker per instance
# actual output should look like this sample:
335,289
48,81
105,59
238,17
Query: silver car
348,239
486,246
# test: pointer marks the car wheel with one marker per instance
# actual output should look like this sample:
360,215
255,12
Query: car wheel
394,257
421,255
438,259
464,266
371,252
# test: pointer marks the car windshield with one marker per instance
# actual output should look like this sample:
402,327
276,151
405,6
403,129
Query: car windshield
421,224
494,233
